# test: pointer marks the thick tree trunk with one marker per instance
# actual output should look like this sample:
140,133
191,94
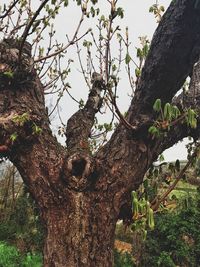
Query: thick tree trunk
81,218
81,237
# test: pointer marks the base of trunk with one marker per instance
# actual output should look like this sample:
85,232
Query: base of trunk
82,237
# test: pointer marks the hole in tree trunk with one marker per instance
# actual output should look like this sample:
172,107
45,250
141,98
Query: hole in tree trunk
78,167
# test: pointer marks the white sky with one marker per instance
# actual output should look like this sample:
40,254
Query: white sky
140,23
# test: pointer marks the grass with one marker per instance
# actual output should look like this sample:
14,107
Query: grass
11,257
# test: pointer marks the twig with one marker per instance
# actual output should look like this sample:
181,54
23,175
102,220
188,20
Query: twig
73,41
81,65
108,47
9,9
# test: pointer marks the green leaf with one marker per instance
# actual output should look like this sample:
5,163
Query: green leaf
102,18
78,2
87,44
127,58
137,72
9,74
94,1
146,184
194,123
154,131
175,112
36,129
151,9
92,11
145,50
157,105
134,194
139,53
161,158
97,11
114,67
108,126
191,118
66,2
167,111
21,119
13,137
81,103
150,219
162,8
120,12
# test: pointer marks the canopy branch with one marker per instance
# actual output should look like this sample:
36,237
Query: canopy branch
164,74
24,123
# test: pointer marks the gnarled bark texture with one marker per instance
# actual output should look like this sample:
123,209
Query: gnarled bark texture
81,196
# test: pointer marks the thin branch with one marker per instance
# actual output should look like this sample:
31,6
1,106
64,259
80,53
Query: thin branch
121,117
108,47
73,41
9,9
26,31
65,87
59,116
81,65
159,200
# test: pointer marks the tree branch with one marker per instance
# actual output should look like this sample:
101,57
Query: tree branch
80,124
180,130
173,52
22,113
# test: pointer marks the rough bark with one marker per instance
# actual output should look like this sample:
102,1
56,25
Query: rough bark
80,195
76,235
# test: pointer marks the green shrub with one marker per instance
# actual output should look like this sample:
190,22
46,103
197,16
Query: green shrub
32,260
22,226
175,240
165,260
122,259
9,256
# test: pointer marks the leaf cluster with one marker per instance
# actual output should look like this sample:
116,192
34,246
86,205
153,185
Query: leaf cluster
168,116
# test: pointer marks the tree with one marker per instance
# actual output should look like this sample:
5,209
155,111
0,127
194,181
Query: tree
81,194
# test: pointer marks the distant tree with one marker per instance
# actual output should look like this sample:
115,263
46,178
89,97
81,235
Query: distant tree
82,189
10,188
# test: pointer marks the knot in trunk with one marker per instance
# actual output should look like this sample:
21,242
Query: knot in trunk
80,171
